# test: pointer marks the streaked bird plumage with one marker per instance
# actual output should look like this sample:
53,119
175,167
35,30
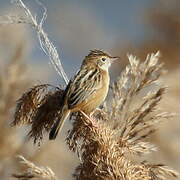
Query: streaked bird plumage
87,90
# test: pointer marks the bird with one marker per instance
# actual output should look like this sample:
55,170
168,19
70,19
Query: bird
87,90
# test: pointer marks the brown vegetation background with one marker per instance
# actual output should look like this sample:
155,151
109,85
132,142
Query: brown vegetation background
19,71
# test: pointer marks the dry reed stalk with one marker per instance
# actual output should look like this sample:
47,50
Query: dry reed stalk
13,81
33,171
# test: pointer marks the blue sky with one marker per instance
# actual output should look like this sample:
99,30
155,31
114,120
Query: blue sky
119,21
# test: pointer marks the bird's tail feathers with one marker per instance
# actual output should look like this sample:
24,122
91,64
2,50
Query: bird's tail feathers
58,124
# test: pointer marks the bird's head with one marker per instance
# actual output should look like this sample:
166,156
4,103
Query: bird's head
100,59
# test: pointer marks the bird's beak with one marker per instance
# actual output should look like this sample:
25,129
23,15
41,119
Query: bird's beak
114,58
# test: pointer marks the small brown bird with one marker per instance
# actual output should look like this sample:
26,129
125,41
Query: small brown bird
87,90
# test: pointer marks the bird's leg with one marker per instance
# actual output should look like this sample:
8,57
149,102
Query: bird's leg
89,118
86,116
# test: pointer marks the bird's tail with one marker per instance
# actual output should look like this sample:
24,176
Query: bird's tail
58,124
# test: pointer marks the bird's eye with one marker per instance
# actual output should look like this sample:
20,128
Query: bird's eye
103,59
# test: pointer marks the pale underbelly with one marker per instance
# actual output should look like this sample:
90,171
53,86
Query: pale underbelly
94,101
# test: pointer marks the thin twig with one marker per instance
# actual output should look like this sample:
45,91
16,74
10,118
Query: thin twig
47,46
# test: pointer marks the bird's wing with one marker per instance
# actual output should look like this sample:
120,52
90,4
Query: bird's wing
84,84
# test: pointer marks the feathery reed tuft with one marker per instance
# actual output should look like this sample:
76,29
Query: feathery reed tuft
106,144
39,108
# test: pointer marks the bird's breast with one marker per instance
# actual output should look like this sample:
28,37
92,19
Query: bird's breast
98,96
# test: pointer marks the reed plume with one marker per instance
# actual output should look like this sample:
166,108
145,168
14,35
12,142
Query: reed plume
108,145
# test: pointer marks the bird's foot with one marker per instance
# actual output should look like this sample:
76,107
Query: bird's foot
90,118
